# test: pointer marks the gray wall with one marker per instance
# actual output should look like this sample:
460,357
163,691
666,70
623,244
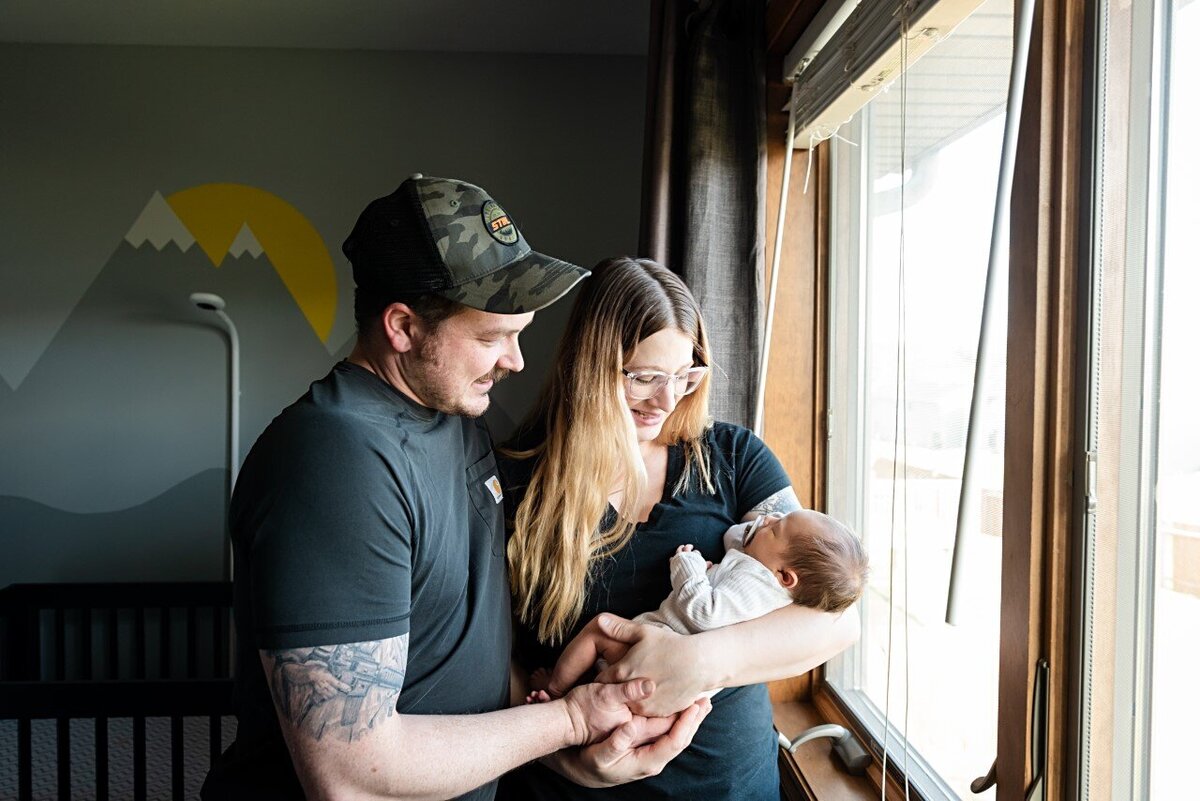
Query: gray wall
112,387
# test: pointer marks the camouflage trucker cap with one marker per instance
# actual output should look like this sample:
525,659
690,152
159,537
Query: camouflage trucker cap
447,237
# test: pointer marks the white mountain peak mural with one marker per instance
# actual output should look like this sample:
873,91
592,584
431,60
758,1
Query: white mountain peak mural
158,224
245,242
206,216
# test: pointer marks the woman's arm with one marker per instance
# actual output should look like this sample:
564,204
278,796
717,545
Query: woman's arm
779,503
785,643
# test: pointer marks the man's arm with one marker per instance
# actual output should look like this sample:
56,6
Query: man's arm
336,707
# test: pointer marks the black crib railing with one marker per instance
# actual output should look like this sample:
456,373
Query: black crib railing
101,702
102,654
156,630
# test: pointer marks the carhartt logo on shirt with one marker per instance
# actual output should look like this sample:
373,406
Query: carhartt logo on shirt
493,485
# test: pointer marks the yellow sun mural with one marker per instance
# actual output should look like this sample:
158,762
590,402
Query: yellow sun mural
222,216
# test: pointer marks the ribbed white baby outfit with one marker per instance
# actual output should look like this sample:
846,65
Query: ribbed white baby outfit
738,588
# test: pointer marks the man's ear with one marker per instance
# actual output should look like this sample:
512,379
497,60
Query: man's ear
787,577
402,328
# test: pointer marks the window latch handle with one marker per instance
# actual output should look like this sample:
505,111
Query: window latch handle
846,748
1037,790
987,782
1038,734
1090,481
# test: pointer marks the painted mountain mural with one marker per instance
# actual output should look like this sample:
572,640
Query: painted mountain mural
115,443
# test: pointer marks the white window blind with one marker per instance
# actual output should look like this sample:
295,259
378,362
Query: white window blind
862,59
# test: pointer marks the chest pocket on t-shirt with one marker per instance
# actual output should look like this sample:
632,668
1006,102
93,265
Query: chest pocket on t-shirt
487,496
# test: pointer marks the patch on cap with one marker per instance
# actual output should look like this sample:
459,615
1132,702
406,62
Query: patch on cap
498,224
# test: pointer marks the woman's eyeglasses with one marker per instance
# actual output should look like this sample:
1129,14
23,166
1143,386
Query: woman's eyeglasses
648,383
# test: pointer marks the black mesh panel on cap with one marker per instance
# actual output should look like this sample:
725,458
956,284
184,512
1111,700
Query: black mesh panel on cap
391,249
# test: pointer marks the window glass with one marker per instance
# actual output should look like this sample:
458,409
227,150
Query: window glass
1176,649
1139,699
897,447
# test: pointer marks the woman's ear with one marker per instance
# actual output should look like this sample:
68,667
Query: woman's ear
787,577
401,326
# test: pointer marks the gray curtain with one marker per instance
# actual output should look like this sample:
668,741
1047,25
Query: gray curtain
704,182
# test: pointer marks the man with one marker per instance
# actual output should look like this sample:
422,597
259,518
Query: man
370,596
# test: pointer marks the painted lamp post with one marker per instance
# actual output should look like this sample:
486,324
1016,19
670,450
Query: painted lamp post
216,304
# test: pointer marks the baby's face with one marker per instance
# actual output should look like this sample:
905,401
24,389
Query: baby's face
769,542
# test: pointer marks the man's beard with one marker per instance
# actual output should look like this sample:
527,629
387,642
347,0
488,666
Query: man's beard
427,379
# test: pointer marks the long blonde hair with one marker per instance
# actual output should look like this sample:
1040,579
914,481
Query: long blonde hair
589,444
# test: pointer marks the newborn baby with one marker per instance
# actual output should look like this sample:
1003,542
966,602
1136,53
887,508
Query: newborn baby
805,557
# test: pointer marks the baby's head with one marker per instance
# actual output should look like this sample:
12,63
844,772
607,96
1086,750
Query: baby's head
816,558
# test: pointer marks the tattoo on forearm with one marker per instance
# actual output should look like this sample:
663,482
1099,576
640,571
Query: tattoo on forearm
338,690
781,503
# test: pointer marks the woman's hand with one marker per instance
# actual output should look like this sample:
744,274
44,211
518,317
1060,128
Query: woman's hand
631,752
674,662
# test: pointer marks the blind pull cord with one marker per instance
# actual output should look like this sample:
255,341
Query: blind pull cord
765,352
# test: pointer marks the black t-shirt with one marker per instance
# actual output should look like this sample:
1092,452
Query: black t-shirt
733,755
360,515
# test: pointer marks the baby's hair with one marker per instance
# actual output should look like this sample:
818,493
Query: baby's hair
831,565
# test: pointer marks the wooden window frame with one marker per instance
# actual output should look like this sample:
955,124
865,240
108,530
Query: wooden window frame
1041,502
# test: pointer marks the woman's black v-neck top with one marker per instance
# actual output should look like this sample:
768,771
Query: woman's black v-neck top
733,755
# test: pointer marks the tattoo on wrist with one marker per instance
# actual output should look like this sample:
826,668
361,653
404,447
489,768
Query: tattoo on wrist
342,691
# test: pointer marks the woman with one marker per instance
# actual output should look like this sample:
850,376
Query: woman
619,465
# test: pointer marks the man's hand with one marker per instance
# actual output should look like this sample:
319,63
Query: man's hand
597,709
631,752
674,662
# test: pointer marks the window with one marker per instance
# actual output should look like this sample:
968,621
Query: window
900,384
1101,591
1140,607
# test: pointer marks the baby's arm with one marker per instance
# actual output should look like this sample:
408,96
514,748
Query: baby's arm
688,569
736,595
694,596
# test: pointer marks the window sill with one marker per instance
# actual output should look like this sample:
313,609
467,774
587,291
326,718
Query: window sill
812,773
